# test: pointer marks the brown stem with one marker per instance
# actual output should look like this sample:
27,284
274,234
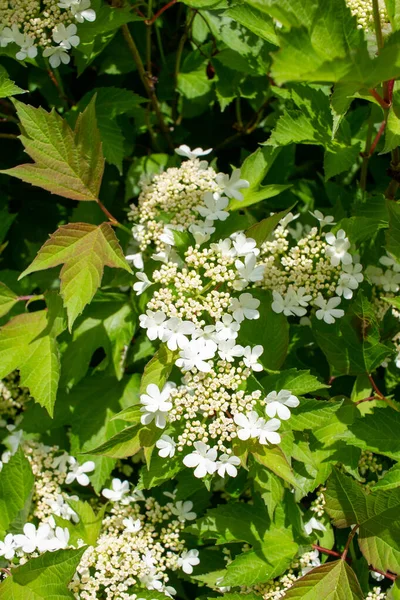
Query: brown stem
379,98
5,570
369,399
375,387
8,136
145,81
349,540
112,219
365,155
160,12
377,138
326,551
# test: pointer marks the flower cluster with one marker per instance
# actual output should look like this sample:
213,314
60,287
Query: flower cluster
369,463
197,309
317,270
192,197
364,12
139,544
12,398
31,24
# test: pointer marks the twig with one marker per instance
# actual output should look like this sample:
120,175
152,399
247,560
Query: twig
379,99
145,81
384,573
366,155
31,297
160,12
9,136
112,219
349,540
369,399
377,138
326,551
148,38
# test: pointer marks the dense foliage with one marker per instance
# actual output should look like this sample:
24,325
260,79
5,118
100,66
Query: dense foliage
199,299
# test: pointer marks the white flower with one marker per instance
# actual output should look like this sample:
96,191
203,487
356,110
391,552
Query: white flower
136,259
203,460
118,490
56,56
278,403
26,44
188,559
227,465
390,261
60,463
148,559
33,539
248,270
202,231
176,332
143,283
231,185
167,236
7,547
313,561
224,247
350,277
152,580
78,472
244,245
328,220
62,509
196,354
229,350
337,248
13,441
185,151
244,307
154,323
66,36
6,37
60,540
289,304
251,356
267,434
288,219
82,12
328,311
226,329
302,297
313,524
249,425
213,208
156,405
183,510
132,526
166,446
390,281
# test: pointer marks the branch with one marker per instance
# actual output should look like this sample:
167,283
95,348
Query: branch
379,98
349,540
326,551
160,12
145,81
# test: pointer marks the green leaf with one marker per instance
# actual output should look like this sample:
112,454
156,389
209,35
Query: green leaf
16,486
340,158
377,515
8,87
334,580
22,347
390,479
254,20
43,578
273,335
352,344
312,414
128,442
265,563
275,460
159,471
89,526
392,129
7,299
66,162
393,233
158,368
83,250
260,231
298,382
377,432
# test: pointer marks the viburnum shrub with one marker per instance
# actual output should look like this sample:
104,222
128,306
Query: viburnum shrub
199,300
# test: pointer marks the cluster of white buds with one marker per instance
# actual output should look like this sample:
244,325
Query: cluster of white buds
197,309
192,196
30,24
364,12
316,271
12,398
376,594
318,505
369,463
